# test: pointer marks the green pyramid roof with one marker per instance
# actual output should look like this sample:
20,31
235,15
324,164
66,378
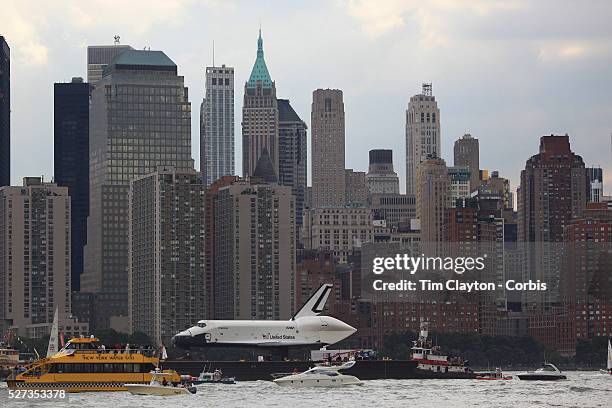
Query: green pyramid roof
260,70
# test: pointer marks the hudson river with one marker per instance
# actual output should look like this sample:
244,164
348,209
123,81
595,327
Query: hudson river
582,389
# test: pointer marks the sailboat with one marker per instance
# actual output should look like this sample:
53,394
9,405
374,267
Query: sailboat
54,337
609,366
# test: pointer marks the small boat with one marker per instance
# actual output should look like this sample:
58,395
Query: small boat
161,384
495,375
215,377
320,376
548,372
609,365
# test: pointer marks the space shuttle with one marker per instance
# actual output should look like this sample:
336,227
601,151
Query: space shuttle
305,328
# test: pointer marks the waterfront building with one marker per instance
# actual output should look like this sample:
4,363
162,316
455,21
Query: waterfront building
254,247
552,193
35,258
210,259
166,281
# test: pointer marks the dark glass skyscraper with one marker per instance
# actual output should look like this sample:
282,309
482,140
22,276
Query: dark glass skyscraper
5,113
292,155
71,161
140,119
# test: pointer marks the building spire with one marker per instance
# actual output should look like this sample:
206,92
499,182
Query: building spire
260,70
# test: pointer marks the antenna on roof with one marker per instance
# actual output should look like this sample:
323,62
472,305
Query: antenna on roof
427,89
213,53
117,40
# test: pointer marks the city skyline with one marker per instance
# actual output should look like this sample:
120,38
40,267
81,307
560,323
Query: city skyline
370,42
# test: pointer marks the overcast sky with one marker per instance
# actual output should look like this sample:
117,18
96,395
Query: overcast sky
507,72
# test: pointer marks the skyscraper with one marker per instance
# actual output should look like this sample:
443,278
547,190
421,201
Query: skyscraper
552,194
34,256
167,287
422,133
5,113
254,250
293,155
328,175
381,177
259,116
98,57
71,161
552,191
217,125
433,196
466,153
210,260
140,119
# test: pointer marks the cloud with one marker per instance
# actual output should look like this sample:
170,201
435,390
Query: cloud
555,50
433,17
25,23
21,32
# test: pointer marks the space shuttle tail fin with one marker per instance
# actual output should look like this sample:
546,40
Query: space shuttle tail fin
315,304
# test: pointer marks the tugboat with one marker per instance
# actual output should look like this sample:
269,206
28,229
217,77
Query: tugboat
432,363
548,372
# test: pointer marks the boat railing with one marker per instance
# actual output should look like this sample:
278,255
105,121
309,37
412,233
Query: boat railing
145,352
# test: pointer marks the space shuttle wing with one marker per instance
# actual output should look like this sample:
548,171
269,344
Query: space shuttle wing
315,304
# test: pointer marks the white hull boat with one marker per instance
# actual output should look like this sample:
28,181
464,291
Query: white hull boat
320,376
160,386
609,365
549,372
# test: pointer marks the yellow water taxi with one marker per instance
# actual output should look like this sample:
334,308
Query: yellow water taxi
84,365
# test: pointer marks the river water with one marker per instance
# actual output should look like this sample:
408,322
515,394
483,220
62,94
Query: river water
581,389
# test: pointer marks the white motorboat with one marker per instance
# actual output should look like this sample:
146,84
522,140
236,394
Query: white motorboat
321,376
548,372
215,377
608,369
160,385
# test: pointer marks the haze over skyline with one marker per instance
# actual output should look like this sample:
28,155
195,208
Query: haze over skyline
507,72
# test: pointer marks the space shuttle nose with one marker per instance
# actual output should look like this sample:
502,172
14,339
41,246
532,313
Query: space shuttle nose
339,325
